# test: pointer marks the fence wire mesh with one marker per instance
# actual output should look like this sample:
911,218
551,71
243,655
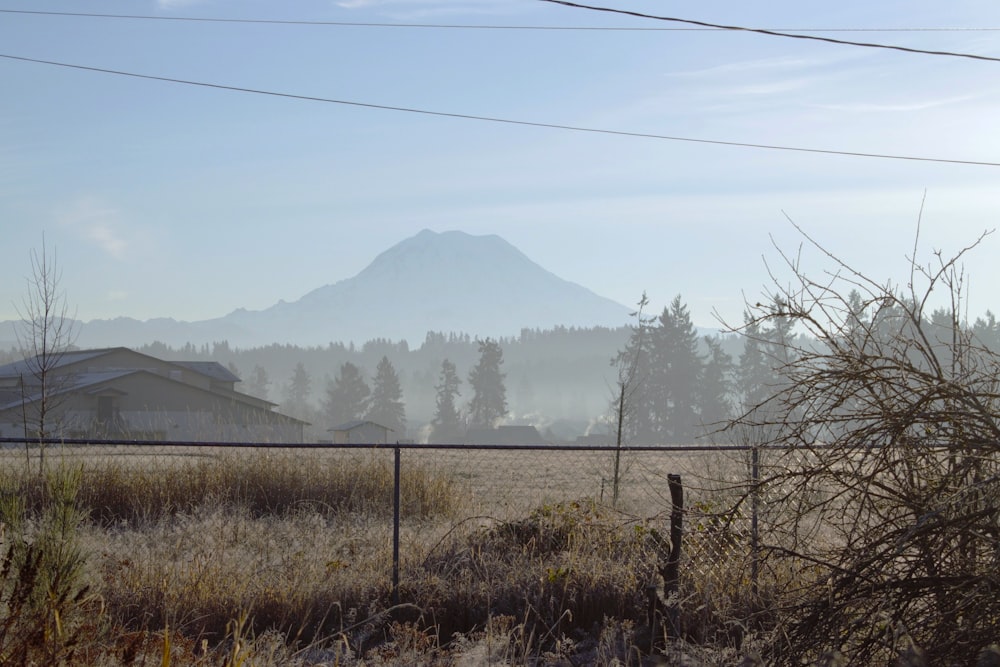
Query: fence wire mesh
300,538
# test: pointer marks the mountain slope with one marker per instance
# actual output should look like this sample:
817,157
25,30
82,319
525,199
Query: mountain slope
447,282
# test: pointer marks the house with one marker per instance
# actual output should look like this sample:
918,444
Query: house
505,435
360,432
118,393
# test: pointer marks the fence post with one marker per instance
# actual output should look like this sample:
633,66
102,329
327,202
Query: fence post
754,532
664,605
671,569
395,527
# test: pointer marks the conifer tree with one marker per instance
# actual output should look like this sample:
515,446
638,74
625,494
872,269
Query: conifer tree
298,389
447,422
675,365
715,388
684,370
386,406
489,399
755,377
259,383
346,396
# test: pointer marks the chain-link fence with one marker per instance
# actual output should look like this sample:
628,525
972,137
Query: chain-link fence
318,540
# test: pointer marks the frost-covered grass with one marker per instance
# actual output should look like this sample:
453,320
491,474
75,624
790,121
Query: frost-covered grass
284,557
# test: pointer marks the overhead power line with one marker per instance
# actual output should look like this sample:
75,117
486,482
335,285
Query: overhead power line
774,33
466,26
494,119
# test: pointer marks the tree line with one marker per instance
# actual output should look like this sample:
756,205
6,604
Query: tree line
684,385
348,396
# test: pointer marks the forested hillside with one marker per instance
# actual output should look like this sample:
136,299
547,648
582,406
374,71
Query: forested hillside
562,380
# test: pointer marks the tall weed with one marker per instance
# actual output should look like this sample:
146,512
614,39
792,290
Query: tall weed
45,606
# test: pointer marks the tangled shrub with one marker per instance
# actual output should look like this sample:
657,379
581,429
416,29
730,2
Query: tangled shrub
883,453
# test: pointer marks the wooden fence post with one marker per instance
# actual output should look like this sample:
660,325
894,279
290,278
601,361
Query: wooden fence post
395,525
664,604
671,568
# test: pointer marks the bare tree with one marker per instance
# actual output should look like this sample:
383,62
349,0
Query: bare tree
628,363
45,333
884,459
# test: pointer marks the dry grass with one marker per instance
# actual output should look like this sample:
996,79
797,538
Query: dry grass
145,488
219,555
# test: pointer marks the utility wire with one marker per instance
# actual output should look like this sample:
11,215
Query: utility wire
457,26
774,33
493,119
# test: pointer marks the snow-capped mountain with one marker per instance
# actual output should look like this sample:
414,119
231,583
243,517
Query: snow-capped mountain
447,282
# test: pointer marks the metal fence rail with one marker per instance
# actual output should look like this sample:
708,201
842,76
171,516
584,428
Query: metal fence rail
489,486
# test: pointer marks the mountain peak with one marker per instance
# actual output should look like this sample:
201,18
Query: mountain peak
447,281
454,281
448,254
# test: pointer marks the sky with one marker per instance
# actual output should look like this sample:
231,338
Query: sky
165,199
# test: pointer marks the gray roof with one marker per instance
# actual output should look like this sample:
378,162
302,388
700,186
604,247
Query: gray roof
68,383
212,369
73,382
351,425
25,366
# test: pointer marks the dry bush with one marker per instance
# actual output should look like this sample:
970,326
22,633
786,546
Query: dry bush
298,548
46,608
563,569
882,457
130,490
304,575
325,581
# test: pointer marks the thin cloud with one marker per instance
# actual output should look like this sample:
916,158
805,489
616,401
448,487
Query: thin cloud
897,107
176,4
411,10
770,87
762,65
104,236
96,222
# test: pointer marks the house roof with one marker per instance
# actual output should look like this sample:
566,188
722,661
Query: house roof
92,380
212,369
351,425
66,384
25,366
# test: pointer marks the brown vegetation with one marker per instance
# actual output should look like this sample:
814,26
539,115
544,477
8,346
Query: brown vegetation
287,557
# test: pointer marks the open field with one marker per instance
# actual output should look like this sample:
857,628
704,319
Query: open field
516,553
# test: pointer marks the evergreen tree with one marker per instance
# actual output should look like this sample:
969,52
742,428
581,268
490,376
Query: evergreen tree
624,399
386,405
447,422
755,377
986,331
669,404
346,396
298,389
681,373
855,322
259,383
767,353
489,399
779,338
715,388
629,411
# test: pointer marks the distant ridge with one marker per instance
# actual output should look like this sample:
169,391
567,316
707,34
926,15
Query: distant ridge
449,281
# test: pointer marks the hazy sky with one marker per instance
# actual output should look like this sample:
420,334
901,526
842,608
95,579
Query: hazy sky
171,200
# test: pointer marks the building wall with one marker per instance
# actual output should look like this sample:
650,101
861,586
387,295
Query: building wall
362,435
149,406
